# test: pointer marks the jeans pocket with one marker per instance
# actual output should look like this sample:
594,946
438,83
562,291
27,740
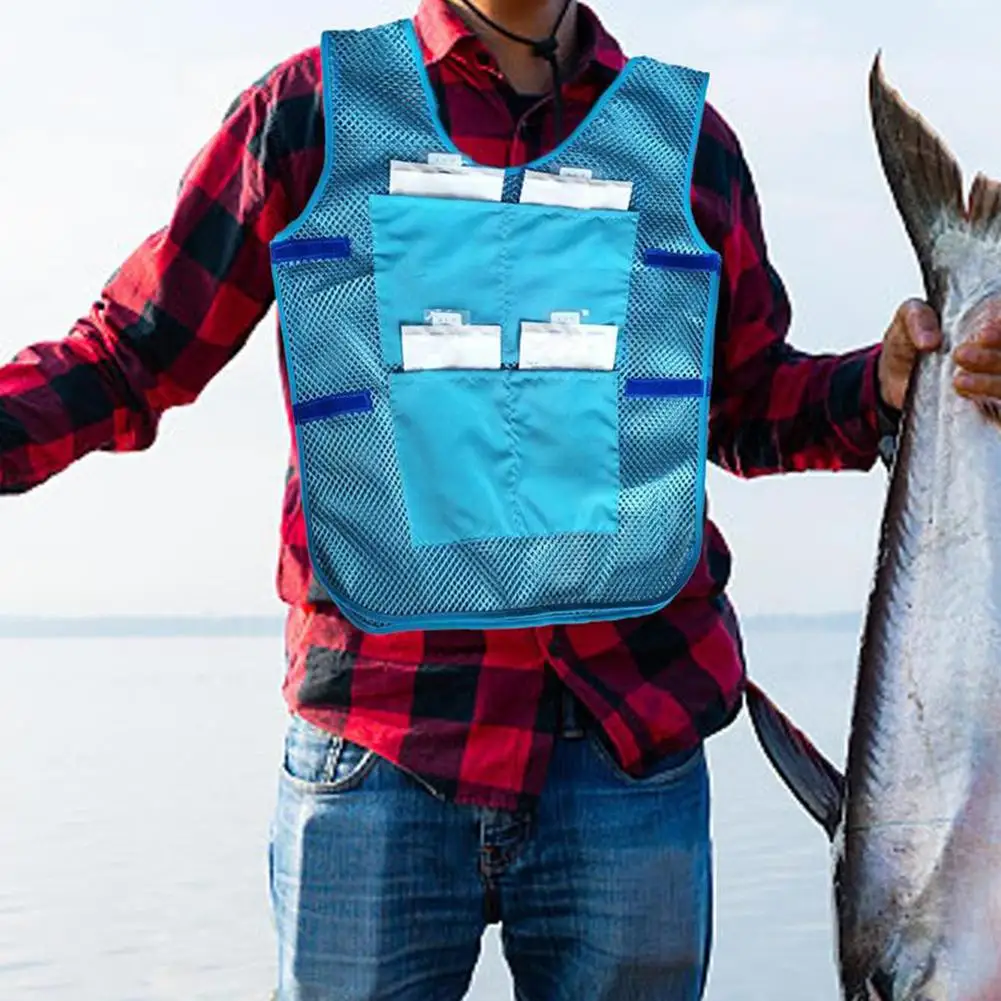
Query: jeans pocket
319,762
668,770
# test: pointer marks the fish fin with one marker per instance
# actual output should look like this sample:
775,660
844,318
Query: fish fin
880,986
924,177
869,992
811,778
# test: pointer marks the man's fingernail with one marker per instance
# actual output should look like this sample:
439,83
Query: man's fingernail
964,381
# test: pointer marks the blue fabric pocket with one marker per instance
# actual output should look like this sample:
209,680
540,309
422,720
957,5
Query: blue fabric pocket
418,267
567,260
567,451
501,263
492,455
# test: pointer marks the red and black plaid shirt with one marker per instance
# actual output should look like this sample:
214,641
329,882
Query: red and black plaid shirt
472,713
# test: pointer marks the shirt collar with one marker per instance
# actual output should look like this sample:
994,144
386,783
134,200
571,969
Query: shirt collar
441,30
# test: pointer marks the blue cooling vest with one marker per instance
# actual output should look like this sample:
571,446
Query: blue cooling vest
497,497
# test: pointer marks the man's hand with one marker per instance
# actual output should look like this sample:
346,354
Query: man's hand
915,329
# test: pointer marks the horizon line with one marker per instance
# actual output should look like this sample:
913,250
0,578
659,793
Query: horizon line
180,626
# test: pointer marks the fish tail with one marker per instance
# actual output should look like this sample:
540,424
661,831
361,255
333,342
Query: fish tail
924,177
985,223
985,209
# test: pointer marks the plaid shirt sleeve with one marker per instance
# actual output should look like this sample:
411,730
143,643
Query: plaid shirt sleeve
774,409
181,306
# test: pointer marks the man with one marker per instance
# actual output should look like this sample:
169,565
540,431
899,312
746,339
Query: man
550,778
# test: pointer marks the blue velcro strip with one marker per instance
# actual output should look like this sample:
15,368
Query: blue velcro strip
336,405
666,388
334,249
681,262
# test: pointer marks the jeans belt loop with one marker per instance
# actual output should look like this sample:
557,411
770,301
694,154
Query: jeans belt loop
570,728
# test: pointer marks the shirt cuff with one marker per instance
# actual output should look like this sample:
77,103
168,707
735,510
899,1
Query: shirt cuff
887,425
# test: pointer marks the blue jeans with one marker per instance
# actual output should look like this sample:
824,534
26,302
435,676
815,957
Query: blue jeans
382,892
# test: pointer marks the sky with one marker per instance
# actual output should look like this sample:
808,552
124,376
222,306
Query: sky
107,102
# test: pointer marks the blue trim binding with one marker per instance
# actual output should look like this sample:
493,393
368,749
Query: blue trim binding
670,261
449,143
329,69
666,388
335,248
335,405
693,145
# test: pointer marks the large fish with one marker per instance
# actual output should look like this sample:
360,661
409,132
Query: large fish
916,821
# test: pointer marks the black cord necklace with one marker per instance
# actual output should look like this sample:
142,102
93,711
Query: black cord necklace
546,48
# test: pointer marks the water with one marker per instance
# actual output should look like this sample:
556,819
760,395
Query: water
136,784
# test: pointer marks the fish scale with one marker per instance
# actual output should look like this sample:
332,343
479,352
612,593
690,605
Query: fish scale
916,822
